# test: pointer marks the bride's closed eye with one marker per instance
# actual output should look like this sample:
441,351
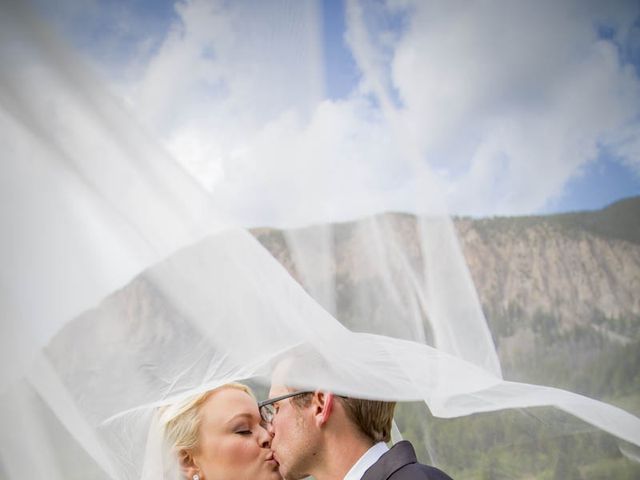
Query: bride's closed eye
243,428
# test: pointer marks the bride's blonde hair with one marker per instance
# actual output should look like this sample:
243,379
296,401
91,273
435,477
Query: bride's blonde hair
182,420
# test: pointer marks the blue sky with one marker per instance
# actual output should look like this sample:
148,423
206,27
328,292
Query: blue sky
602,183
517,109
341,68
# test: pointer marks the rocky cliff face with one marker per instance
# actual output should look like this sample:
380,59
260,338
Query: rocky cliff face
562,288
576,267
544,267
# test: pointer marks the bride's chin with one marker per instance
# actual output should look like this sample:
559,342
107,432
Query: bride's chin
272,473
275,475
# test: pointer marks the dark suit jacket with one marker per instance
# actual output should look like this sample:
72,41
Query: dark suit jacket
400,463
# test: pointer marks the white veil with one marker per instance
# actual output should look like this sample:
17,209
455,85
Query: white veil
127,285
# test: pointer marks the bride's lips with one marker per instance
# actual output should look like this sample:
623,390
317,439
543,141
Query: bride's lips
271,459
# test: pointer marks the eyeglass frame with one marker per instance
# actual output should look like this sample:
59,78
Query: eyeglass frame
271,401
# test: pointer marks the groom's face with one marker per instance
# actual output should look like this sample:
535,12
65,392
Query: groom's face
294,442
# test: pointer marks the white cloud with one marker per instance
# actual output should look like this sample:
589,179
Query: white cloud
513,98
507,100
237,99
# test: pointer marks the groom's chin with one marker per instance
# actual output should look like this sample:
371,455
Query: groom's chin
288,475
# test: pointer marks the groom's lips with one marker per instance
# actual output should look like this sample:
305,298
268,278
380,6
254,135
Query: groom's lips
271,459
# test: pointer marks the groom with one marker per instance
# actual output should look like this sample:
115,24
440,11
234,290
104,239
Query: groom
334,438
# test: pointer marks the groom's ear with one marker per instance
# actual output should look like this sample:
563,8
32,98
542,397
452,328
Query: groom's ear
322,404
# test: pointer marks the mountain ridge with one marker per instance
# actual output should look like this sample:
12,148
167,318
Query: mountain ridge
620,219
567,282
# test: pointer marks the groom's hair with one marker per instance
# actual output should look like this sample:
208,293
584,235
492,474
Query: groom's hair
372,417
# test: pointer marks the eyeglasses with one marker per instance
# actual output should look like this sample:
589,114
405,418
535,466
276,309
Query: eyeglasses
267,410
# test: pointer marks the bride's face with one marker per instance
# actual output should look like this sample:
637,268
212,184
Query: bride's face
233,443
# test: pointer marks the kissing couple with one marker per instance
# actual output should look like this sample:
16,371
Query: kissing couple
225,433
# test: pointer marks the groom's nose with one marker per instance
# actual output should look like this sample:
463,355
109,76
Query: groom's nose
270,430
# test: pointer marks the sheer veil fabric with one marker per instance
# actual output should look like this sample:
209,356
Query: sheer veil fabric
128,285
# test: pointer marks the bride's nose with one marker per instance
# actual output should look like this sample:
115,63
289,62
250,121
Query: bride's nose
264,437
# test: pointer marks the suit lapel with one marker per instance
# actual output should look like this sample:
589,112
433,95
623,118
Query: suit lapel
398,456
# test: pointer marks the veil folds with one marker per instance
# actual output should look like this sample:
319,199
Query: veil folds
127,285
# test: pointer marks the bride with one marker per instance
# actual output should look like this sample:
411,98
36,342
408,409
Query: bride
219,434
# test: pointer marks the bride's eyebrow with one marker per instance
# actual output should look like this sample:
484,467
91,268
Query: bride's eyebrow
244,414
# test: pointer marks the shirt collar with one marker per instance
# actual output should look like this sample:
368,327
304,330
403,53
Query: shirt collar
370,457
